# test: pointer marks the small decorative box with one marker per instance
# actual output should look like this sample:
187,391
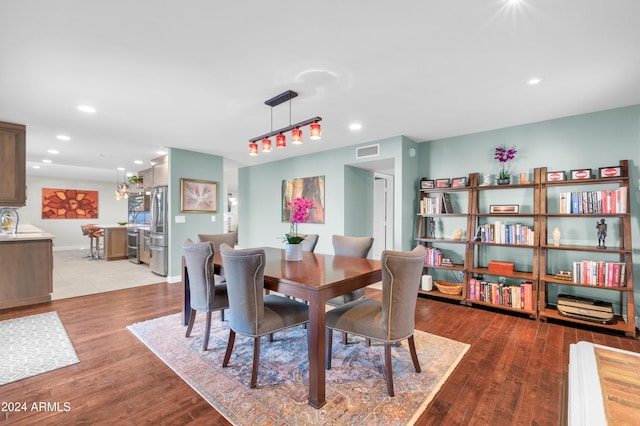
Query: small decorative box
499,267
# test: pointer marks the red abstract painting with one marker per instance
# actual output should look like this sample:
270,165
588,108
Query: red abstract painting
69,204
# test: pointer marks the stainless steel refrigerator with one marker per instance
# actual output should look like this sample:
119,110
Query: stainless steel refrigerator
159,231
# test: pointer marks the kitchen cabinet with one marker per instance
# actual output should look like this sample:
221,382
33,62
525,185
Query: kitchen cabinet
147,179
12,165
160,168
115,242
26,262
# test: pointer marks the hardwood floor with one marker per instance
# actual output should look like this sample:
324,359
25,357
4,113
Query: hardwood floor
512,374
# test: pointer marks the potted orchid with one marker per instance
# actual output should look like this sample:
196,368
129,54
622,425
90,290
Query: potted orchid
299,212
504,155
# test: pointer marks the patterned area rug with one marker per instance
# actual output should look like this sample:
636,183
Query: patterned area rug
356,391
33,345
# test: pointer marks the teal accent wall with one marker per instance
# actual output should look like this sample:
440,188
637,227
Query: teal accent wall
358,215
191,165
592,140
346,210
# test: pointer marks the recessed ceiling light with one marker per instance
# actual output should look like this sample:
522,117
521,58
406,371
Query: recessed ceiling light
86,108
120,169
46,161
63,137
35,167
355,126
534,80
138,161
53,151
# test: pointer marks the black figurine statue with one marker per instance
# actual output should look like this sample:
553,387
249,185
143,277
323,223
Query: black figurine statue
602,233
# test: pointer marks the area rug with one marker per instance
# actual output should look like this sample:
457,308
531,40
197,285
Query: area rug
356,391
33,345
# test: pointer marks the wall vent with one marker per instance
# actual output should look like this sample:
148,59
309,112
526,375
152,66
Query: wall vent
368,151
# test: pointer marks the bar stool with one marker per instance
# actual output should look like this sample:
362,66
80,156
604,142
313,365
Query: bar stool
94,233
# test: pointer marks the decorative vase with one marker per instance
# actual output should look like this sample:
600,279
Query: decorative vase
293,252
506,181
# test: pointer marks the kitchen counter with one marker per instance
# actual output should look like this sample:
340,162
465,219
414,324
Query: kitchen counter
26,262
115,241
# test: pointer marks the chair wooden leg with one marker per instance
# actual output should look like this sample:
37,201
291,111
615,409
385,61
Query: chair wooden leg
222,315
192,319
414,355
256,361
368,341
207,332
227,354
344,338
328,343
388,370
270,337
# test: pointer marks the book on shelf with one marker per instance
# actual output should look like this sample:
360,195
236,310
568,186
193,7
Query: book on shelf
599,273
505,233
594,202
517,296
446,202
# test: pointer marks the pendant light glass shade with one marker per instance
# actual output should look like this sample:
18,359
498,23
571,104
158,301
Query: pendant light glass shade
266,145
296,136
253,149
281,140
314,131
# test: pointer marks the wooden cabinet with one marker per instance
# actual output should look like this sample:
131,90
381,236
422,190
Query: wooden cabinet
443,213
27,272
576,208
115,243
504,247
160,168
12,165
147,179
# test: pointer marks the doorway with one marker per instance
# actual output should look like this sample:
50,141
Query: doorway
382,213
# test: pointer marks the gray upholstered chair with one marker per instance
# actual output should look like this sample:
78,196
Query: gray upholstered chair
251,313
230,238
390,320
205,294
309,242
354,247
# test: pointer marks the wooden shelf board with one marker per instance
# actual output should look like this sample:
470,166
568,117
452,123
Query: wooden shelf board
482,243
441,240
436,293
506,308
593,249
550,279
454,267
620,325
516,274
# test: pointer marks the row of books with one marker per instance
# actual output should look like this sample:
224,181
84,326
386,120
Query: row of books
435,257
436,205
594,202
599,273
514,296
505,233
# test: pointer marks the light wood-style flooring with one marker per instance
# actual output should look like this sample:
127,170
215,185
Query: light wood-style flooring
512,374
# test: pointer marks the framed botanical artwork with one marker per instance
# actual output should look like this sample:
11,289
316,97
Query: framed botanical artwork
443,183
198,196
581,174
556,176
505,209
427,184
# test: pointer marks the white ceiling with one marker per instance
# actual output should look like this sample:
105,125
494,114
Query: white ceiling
194,74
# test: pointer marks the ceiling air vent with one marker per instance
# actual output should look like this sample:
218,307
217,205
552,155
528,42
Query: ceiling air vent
368,151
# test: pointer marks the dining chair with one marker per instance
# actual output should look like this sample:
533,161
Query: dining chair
354,247
230,238
251,312
205,294
309,242
390,320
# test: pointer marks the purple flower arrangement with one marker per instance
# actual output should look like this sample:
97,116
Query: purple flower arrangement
299,207
504,155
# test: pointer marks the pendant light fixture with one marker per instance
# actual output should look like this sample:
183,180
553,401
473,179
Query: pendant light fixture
122,189
296,131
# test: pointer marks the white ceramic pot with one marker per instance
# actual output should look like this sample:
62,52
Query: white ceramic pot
293,252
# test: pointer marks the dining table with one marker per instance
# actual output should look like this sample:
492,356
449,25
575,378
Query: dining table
316,278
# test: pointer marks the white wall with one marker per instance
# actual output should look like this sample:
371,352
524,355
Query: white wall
67,231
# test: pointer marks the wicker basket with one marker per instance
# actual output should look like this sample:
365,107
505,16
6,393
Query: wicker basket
448,288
